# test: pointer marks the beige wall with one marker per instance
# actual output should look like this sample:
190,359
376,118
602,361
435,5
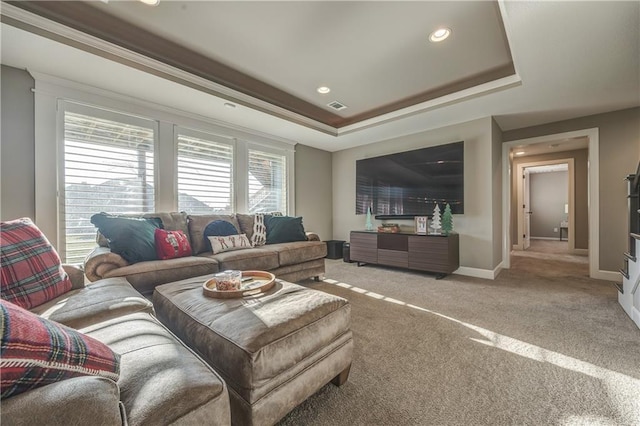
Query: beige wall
581,208
313,190
476,226
17,147
619,136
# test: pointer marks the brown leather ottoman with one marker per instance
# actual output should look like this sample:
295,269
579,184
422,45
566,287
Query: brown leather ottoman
273,350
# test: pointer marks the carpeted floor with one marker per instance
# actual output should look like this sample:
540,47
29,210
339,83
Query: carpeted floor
541,345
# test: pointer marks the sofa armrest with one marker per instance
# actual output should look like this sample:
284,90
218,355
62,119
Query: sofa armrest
100,261
78,401
76,275
312,236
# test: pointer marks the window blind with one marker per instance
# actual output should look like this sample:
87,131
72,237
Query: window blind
205,175
108,167
267,182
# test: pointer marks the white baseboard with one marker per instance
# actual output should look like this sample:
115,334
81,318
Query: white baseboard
546,238
517,247
479,273
636,316
608,276
580,252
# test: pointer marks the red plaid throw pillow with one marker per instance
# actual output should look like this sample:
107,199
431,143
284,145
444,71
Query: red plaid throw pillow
36,352
32,273
171,244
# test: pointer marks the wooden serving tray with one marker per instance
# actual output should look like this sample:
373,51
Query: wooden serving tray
261,281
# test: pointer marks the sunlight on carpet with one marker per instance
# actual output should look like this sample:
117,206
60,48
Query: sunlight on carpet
620,386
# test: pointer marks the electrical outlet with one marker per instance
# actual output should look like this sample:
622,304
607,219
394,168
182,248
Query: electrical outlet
555,229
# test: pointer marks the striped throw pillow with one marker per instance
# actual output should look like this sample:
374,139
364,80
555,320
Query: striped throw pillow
35,352
32,273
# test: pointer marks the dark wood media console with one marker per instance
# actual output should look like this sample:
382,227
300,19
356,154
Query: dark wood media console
432,253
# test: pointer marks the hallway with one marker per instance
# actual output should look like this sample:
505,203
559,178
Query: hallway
550,258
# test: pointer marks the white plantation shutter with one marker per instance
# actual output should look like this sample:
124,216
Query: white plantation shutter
108,167
205,174
267,181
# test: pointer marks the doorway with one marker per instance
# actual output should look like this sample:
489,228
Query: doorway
587,139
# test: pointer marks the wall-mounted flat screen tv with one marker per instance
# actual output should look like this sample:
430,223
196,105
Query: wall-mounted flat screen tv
410,183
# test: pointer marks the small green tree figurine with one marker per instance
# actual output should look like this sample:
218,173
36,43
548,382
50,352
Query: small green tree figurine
447,220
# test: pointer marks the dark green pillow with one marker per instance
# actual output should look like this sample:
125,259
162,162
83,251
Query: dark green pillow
284,229
131,238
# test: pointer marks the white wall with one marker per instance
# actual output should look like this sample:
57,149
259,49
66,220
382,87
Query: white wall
313,190
476,226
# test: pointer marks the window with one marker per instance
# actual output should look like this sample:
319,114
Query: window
267,181
108,167
205,174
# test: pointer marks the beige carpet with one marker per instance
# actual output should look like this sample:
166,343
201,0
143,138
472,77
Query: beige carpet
539,345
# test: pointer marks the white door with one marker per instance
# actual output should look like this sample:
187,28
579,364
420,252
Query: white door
526,210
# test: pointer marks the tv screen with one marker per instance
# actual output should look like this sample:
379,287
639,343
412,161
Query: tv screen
411,183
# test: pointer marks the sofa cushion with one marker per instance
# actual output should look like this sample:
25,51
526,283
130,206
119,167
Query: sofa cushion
161,380
243,260
145,276
36,352
218,228
31,271
221,244
284,229
171,244
197,225
171,221
97,302
297,251
246,223
131,238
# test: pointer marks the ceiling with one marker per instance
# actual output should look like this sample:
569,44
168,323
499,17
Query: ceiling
524,63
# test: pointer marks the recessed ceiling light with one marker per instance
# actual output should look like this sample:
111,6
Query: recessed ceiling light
439,34
554,145
151,2
520,153
229,105
323,90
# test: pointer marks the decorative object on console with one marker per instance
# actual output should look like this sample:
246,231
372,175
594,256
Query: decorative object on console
171,244
31,272
368,224
421,225
447,220
435,221
390,228
37,352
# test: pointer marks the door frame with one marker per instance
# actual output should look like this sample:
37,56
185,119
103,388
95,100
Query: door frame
572,199
593,194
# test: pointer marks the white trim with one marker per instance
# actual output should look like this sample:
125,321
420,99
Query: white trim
594,192
635,316
580,252
608,276
94,96
547,238
479,273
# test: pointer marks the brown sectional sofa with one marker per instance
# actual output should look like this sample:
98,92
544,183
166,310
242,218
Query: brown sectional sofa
162,381
292,261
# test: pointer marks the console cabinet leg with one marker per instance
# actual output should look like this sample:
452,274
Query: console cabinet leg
341,378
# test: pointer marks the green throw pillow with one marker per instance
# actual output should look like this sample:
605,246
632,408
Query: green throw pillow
133,239
284,229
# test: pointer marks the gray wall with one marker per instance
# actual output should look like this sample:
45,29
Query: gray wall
581,207
313,190
619,135
479,248
549,192
17,145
